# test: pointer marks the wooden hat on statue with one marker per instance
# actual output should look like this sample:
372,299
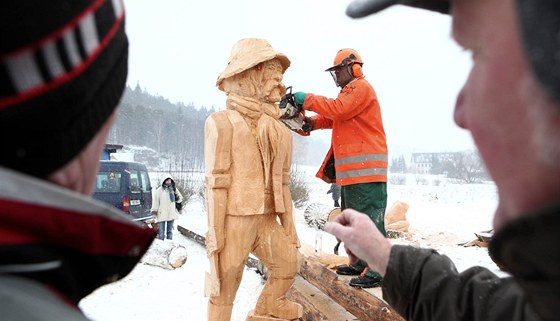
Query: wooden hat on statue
247,53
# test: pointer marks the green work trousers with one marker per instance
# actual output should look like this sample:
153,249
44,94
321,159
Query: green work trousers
370,199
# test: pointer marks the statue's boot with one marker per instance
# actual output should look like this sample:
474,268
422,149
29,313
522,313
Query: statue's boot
273,302
217,312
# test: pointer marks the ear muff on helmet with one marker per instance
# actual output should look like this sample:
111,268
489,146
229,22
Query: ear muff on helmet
357,70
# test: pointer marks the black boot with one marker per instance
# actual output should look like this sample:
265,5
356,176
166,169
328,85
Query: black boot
365,282
368,279
348,270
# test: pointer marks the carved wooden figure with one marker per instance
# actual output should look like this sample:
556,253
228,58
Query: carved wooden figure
248,156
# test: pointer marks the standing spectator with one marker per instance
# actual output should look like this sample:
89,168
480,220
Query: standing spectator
163,207
357,159
511,106
63,68
335,191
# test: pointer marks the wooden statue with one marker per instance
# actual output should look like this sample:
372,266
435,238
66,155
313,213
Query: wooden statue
248,156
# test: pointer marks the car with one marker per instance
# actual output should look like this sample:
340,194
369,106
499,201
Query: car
126,186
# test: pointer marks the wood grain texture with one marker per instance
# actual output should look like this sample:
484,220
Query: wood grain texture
359,302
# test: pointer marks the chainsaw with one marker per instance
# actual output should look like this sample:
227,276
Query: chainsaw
292,113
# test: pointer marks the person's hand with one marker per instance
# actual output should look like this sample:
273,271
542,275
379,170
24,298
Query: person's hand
362,239
307,124
299,97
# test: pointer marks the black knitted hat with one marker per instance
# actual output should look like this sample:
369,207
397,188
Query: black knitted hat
63,68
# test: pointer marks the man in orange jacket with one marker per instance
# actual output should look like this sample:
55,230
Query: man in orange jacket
357,159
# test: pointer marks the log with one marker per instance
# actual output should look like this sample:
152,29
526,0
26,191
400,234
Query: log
317,306
166,255
358,302
192,235
316,214
332,261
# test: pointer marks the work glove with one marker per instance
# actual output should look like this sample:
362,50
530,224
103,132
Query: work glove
307,124
299,97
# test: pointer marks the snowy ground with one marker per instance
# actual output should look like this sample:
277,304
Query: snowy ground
441,216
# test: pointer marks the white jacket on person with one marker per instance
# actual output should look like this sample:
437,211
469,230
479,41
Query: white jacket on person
163,205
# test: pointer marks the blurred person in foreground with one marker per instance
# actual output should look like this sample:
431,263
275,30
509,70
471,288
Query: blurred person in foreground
511,105
63,66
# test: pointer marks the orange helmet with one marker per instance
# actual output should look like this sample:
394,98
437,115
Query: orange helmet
346,57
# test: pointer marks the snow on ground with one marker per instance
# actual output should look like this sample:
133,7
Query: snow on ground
441,216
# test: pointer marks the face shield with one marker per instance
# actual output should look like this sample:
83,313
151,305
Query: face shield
341,75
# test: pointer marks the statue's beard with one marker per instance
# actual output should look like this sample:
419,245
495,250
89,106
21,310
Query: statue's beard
273,92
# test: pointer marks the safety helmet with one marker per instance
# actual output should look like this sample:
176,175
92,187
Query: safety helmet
346,57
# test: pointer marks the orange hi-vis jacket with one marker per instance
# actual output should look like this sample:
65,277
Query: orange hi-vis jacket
358,138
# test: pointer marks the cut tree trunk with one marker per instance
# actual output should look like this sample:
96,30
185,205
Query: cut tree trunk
317,306
316,214
167,255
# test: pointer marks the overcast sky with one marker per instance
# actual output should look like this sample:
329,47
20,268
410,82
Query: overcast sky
179,47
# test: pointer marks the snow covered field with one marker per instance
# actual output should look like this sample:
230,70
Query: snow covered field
441,216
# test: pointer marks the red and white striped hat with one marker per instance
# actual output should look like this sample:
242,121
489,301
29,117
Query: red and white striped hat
63,68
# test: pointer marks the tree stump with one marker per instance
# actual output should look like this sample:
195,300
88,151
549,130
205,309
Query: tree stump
316,214
167,255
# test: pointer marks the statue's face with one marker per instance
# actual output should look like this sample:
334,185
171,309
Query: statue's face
272,89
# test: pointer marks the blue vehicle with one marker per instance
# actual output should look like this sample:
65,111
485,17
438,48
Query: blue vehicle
126,186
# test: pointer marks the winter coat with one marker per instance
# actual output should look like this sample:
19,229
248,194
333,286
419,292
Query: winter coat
58,246
335,190
358,150
162,204
424,285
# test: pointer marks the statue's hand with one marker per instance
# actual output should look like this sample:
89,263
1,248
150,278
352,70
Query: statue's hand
214,244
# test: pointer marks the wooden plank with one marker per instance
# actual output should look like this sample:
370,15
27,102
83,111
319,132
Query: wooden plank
359,302
317,306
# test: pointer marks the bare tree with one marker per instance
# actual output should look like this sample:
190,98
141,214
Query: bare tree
299,188
466,167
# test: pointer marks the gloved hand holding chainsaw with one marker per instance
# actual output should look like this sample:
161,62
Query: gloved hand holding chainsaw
293,115
299,98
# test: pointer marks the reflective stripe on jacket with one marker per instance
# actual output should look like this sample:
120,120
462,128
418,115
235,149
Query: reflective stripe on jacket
358,137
